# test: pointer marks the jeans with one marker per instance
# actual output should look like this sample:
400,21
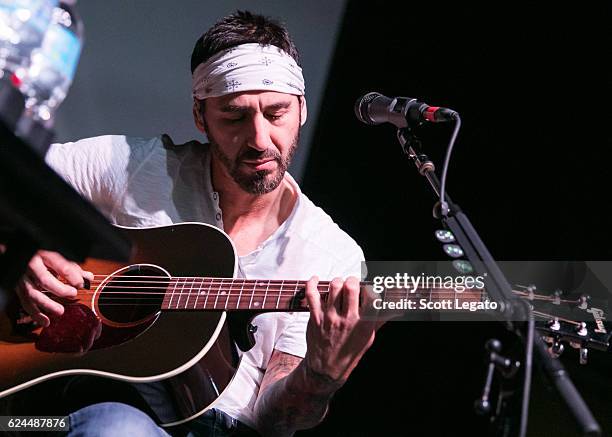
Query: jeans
113,419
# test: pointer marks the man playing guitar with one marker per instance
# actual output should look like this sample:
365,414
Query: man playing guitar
249,100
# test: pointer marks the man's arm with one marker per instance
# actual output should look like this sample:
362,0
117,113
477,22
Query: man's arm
291,397
295,392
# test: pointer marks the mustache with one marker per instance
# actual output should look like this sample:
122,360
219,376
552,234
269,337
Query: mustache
256,155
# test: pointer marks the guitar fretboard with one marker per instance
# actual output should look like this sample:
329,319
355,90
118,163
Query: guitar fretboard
278,295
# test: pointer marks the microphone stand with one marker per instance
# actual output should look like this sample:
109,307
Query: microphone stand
497,286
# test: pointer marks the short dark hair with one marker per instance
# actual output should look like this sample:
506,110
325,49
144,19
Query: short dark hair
242,27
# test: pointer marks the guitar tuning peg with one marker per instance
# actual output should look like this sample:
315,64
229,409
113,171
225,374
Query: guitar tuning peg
584,353
556,349
557,297
531,289
554,324
583,301
581,329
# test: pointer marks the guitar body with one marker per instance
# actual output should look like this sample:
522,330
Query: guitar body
178,361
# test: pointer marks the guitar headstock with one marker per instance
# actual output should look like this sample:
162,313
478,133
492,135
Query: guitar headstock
574,320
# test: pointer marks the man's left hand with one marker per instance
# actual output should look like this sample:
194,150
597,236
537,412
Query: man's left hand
337,335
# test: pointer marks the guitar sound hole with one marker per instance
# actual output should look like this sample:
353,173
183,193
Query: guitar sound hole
133,295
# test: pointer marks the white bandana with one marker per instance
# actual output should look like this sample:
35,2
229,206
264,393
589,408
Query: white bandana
248,67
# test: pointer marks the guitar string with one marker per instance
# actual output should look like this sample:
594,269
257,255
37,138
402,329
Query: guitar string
540,314
203,277
270,281
211,281
562,319
265,282
230,291
155,296
225,290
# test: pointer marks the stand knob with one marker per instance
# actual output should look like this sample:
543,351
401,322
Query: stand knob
493,346
556,349
584,354
482,406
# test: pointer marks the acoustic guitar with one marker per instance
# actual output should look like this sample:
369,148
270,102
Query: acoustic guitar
168,322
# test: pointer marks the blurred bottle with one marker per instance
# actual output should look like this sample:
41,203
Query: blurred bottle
45,82
23,24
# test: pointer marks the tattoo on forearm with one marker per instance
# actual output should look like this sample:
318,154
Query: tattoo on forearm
288,404
286,363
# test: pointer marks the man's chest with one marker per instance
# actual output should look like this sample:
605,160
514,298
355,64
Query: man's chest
250,238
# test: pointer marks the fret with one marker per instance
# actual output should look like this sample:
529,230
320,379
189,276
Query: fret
256,304
208,293
178,302
229,293
218,293
295,292
263,305
189,292
195,304
279,293
252,293
178,291
172,294
240,295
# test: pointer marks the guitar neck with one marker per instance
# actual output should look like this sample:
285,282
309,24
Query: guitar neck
280,295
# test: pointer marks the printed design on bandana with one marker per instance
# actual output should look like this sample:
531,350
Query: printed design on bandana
266,61
232,85
267,82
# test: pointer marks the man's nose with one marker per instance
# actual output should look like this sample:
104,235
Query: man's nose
259,133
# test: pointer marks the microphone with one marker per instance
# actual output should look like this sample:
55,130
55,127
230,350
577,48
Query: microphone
374,108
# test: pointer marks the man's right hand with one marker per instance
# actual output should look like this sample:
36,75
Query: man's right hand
43,275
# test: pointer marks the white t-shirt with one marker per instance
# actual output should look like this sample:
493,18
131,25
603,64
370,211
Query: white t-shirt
142,182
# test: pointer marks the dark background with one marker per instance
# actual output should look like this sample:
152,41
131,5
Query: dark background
530,168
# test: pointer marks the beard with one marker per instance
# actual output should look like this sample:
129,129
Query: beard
261,181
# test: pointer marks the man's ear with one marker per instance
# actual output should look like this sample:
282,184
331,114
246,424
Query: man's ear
303,110
197,116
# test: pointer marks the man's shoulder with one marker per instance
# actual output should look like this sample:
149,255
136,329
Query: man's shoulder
317,227
109,146
132,143
121,148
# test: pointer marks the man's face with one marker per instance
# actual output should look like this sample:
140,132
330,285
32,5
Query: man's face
254,135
